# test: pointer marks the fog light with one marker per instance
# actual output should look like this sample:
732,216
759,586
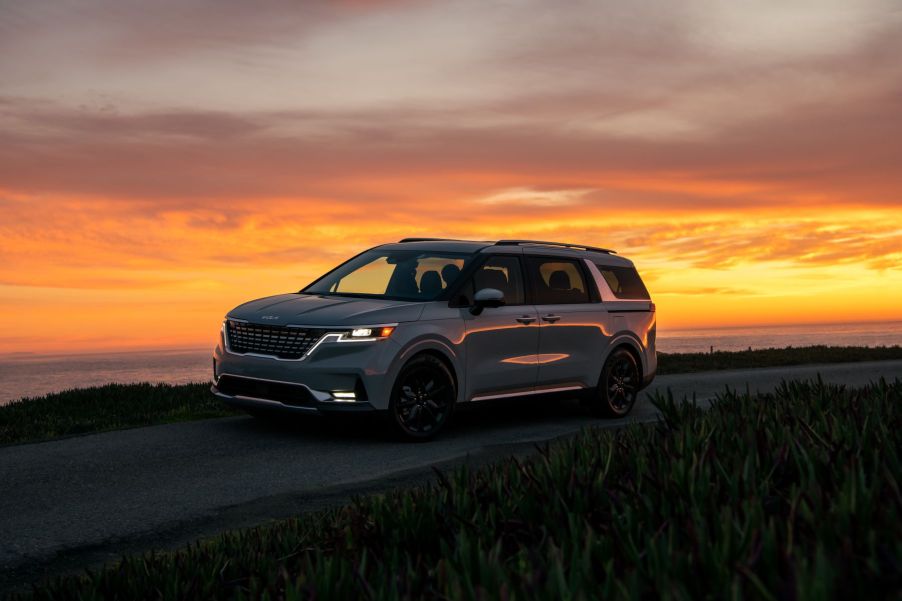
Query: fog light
344,396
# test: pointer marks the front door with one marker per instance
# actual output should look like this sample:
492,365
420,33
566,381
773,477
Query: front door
502,342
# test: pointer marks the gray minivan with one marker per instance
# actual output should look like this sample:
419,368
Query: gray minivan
411,329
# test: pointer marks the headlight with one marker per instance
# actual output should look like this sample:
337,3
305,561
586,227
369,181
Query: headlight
374,333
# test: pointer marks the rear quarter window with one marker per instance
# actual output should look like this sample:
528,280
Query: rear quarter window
624,282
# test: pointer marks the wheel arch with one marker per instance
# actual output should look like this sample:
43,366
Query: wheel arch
435,348
441,357
625,341
611,398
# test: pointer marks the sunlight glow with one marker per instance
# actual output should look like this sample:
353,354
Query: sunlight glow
745,158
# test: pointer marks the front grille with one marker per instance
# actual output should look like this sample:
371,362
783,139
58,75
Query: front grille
289,394
279,341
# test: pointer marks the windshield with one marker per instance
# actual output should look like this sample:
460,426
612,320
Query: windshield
414,275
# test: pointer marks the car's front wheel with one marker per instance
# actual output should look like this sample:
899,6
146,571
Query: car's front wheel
422,398
619,385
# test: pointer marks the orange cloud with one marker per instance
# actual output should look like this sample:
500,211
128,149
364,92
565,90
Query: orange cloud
226,152
92,272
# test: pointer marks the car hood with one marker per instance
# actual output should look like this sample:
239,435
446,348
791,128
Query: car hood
314,310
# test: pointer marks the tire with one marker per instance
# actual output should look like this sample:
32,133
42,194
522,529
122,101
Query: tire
422,399
618,387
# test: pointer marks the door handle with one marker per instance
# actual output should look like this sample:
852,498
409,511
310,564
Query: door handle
526,319
551,318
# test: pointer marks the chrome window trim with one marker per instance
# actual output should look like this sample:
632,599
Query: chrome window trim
604,291
608,296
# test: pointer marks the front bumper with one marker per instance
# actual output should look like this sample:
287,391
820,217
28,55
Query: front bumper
266,395
314,384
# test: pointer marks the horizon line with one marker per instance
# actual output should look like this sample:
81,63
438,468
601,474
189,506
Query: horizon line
662,334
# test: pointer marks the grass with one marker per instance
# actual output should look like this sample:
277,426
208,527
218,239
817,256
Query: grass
109,407
675,363
117,406
794,494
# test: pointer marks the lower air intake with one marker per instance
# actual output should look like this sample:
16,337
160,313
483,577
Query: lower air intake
289,394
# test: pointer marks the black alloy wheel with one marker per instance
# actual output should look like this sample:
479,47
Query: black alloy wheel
423,398
619,385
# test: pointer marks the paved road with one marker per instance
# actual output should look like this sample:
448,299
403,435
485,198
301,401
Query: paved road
85,500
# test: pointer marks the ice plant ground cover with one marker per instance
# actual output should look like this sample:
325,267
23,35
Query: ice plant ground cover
109,407
794,494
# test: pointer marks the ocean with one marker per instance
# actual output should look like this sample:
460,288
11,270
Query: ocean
26,375
757,337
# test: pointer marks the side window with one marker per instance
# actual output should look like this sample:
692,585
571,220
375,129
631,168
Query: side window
558,281
624,282
501,273
434,274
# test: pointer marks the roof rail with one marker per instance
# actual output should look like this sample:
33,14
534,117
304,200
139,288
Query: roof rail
431,240
560,244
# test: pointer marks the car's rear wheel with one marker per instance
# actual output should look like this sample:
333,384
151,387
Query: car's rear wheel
422,399
619,385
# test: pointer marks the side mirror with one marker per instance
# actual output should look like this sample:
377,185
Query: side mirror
487,297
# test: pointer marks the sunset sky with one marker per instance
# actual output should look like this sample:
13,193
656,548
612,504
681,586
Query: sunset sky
162,161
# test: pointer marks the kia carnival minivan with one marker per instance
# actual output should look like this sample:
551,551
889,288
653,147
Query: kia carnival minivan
411,329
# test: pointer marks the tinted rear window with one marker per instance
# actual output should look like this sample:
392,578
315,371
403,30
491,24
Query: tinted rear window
557,281
624,282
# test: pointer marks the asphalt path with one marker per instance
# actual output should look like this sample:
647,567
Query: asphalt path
85,500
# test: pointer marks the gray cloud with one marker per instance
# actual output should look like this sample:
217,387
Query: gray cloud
658,104
825,153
